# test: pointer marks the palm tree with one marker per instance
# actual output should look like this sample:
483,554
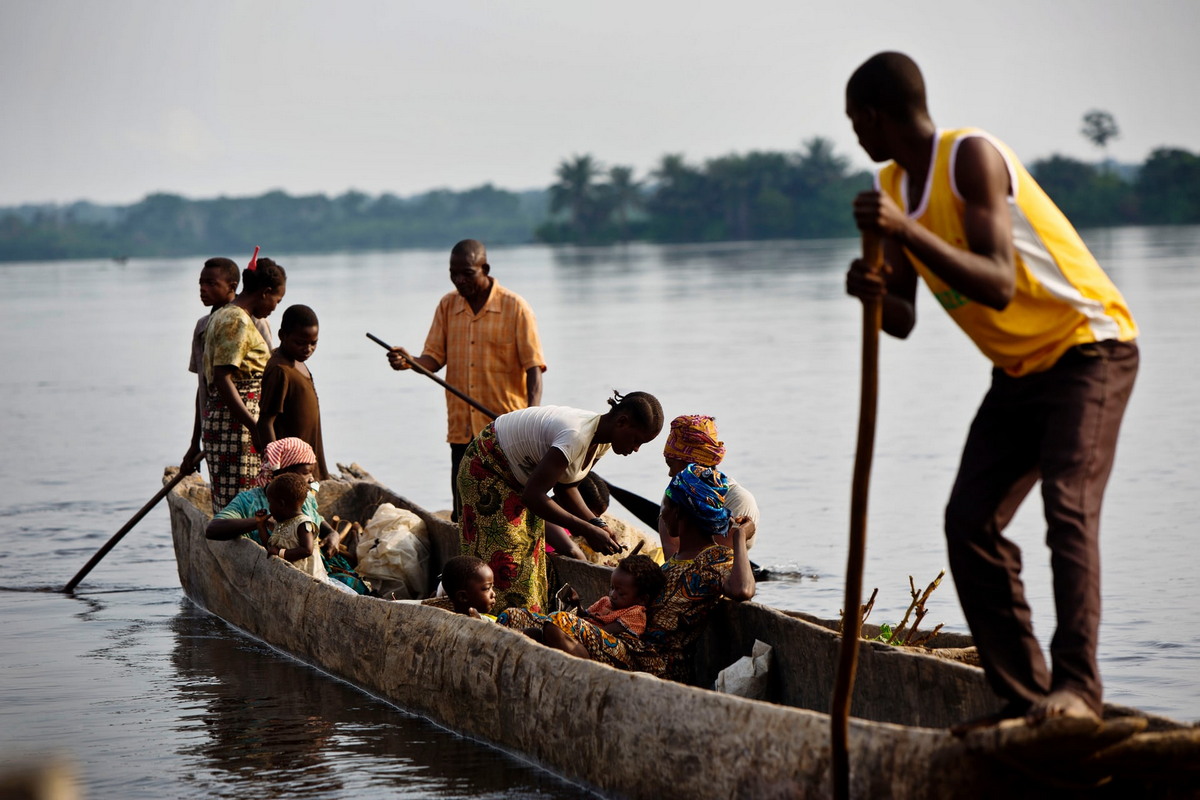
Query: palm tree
677,203
576,191
1098,128
625,195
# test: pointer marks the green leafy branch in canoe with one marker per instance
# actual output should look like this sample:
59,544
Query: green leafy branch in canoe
899,635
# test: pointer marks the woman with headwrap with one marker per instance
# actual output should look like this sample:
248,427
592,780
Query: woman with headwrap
711,563
693,439
239,516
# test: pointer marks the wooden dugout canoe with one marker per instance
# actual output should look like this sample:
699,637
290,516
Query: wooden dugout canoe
633,735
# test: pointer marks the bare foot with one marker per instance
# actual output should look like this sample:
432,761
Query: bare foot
1060,703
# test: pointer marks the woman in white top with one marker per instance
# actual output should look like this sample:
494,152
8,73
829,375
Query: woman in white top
509,470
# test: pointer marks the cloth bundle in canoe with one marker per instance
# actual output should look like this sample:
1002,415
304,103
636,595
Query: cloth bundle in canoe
394,553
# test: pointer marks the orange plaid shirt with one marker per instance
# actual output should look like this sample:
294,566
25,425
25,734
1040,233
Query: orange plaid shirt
486,356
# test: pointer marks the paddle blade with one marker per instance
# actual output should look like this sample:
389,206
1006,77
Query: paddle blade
645,510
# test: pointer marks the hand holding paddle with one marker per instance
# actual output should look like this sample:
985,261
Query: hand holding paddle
191,460
399,358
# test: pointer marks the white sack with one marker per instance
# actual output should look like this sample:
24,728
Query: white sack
395,548
747,677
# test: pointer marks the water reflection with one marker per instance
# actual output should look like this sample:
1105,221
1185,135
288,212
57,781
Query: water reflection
256,724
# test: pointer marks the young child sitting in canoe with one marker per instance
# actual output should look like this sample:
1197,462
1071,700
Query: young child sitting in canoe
294,537
634,584
288,405
470,586
619,616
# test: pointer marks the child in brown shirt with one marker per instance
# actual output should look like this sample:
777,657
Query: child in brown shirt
289,404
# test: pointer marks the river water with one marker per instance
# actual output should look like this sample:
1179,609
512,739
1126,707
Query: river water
150,697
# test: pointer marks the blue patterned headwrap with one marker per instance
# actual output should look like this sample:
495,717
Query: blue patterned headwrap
700,492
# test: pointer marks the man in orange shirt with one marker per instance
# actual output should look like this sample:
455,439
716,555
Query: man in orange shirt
487,338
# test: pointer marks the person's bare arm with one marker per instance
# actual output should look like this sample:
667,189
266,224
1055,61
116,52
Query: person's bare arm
739,583
533,386
535,496
986,270
306,537
225,529
223,383
572,502
568,496
266,427
615,628
189,463
558,538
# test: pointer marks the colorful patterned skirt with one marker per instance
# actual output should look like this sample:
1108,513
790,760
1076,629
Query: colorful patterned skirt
621,652
496,527
233,463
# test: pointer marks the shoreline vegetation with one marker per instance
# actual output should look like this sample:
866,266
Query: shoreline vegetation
737,197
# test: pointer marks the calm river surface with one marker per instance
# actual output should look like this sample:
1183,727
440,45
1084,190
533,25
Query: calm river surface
153,698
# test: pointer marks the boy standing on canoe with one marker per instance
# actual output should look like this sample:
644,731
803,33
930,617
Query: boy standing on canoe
487,338
957,208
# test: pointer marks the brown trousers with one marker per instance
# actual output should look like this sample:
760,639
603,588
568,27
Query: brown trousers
1060,426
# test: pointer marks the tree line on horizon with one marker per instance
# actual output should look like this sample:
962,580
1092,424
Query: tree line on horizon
751,196
171,225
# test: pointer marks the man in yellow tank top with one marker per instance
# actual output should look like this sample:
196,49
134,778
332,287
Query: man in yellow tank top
957,209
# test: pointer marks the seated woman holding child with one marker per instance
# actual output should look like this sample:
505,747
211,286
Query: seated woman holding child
710,562
240,516
294,535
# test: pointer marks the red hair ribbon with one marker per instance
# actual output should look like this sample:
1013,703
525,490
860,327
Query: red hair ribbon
253,265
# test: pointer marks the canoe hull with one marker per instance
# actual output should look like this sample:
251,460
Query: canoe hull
623,734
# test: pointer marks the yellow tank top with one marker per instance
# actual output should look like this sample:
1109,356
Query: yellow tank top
1063,298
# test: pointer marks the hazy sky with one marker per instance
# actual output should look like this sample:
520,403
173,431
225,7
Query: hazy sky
109,100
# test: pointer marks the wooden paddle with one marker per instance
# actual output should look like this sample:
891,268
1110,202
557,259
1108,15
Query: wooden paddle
851,617
134,520
418,368
643,509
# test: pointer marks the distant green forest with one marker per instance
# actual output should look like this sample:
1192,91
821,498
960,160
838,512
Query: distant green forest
757,195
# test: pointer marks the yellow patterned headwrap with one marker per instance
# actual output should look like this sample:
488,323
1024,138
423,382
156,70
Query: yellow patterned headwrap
693,439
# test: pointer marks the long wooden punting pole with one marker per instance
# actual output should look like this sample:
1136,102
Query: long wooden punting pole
843,687
419,369
134,520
